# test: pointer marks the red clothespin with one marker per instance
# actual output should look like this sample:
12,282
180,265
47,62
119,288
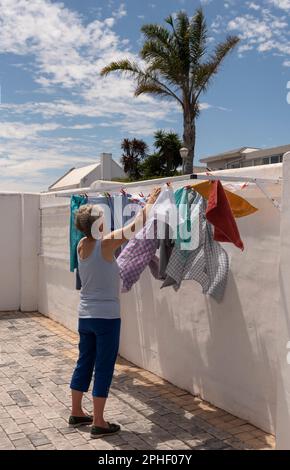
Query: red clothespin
123,191
141,194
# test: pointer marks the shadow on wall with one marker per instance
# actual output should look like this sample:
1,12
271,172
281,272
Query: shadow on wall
283,380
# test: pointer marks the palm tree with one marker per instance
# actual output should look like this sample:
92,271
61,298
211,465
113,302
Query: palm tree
168,145
178,65
133,152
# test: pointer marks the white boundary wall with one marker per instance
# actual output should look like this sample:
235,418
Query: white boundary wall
283,327
19,247
227,353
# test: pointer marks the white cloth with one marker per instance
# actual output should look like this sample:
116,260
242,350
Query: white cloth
164,211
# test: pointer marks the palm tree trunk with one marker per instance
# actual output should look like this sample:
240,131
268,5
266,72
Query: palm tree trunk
189,135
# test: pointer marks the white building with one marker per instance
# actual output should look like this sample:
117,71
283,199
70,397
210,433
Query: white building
245,156
106,169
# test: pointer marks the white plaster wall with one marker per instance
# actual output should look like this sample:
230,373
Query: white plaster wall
57,296
19,233
224,352
108,170
283,330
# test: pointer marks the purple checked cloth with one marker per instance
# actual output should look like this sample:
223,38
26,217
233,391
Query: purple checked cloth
135,257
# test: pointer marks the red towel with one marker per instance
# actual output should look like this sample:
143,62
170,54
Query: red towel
219,214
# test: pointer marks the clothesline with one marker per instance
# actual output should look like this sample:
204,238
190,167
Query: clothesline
260,183
99,186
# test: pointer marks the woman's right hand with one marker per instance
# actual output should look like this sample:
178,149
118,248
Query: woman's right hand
153,196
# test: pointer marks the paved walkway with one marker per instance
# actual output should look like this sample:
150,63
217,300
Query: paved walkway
36,362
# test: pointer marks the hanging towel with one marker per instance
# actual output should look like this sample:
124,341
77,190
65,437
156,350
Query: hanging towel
184,223
220,215
163,210
240,207
75,235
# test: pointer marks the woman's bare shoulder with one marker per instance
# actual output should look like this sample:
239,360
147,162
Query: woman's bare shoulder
82,243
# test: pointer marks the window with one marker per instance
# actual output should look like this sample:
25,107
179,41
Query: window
266,161
257,162
234,165
275,159
247,163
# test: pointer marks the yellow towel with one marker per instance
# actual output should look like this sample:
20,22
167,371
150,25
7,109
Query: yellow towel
239,205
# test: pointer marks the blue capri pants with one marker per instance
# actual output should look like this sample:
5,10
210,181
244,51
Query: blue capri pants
98,349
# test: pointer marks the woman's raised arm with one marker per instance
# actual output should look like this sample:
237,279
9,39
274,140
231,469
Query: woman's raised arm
115,239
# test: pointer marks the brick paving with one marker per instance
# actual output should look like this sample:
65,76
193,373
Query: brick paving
37,357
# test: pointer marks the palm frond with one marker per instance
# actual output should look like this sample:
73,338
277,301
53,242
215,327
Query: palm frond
151,84
182,39
170,65
126,66
181,25
158,33
151,88
197,37
161,51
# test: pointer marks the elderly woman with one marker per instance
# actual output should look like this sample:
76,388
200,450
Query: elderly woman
99,313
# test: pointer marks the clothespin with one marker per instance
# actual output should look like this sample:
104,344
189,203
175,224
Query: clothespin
123,191
141,194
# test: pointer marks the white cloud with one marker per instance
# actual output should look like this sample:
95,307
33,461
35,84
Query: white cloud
19,130
253,6
204,106
263,31
283,4
70,55
120,12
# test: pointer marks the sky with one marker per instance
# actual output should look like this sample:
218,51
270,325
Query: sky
56,111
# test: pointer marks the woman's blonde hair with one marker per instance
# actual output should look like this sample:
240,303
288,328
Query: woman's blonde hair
85,217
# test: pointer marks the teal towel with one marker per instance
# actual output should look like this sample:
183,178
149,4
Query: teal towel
75,234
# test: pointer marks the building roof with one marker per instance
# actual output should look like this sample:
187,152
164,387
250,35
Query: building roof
269,152
74,176
229,154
